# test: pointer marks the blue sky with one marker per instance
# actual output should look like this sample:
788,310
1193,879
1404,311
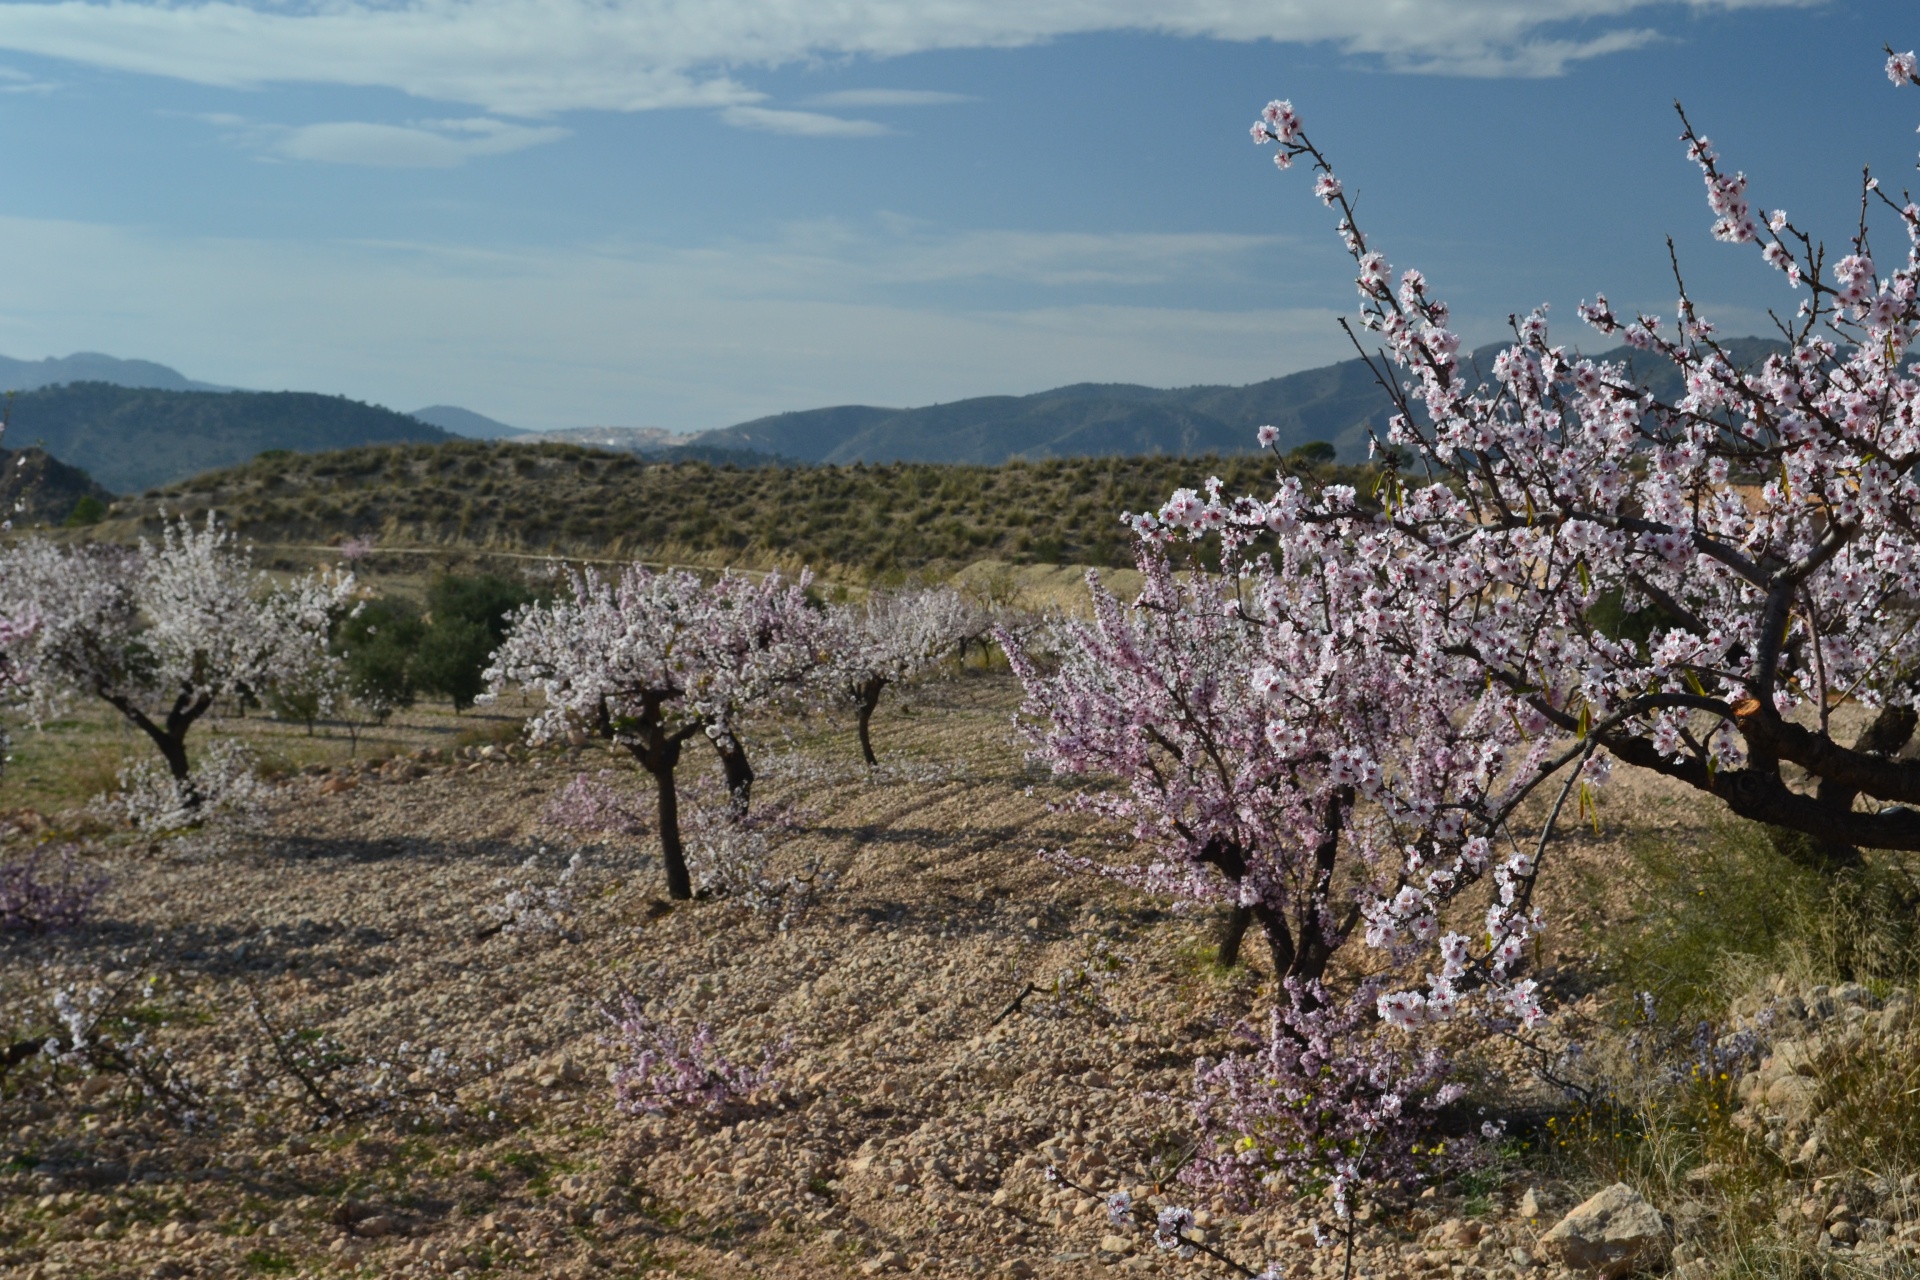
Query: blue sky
686,213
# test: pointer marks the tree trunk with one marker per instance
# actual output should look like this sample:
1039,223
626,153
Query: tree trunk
866,698
175,751
1232,933
739,772
660,763
1885,736
171,740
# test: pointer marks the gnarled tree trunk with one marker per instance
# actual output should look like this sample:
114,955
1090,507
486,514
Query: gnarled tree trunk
866,696
1889,731
171,738
738,770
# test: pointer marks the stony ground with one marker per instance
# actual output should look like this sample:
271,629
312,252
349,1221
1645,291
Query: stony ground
950,1017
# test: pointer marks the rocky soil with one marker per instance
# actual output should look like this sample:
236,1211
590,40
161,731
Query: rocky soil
950,1018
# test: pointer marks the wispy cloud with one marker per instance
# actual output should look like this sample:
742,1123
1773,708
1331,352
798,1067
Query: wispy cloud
861,98
14,80
801,124
534,57
418,144
436,144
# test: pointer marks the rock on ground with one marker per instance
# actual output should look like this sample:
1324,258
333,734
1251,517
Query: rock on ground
1611,1234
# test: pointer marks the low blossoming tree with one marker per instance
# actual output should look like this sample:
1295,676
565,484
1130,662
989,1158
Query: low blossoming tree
160,632
650,660
889,639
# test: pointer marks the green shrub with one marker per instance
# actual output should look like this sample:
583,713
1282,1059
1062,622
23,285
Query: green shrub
381,643
451,658
89,510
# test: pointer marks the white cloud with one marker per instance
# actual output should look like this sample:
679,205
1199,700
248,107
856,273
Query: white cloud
908,252
433,144
635,334
14,80
858,98
535,57
418,144
801,124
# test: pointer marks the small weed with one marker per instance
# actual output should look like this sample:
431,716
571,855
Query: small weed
1478,1186
269,1262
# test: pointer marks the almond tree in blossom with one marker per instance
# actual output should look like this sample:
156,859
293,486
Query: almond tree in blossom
888,639
1760,528
162,631
1335,728
650,660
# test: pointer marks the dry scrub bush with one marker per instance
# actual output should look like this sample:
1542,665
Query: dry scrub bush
44,891
1752,1066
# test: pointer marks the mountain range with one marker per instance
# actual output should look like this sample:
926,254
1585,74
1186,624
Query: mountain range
91,366
453,419
133,438
1336,403
133,424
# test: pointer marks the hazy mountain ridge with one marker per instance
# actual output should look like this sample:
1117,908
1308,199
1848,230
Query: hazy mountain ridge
454,420
1337,403
131,439
92,366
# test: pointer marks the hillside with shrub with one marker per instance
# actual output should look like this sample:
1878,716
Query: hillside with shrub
39,489
567,500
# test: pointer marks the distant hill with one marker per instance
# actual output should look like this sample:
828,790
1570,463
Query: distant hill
91,366
132,439
1336,403
465,422
36,488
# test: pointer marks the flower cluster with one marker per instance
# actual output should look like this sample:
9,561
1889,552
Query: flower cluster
1277,757
536,904
96,1039
595,805
670,1068
224,787
731,849
1319,1101
34,898
334,1082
